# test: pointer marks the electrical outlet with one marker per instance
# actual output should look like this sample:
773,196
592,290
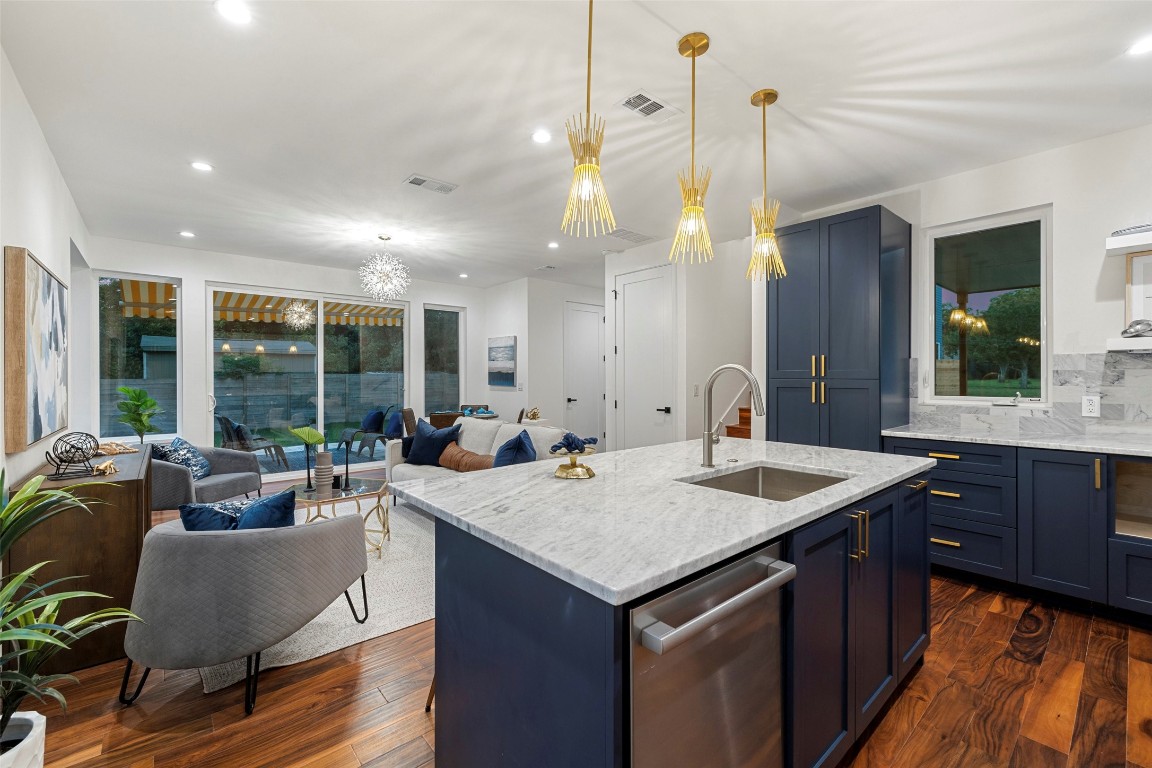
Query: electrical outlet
1090,405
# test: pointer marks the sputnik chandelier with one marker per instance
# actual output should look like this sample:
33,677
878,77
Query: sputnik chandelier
766,260
693,243
299,315
384,277
588,212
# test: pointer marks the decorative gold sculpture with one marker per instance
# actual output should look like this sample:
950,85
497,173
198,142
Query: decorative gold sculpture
574,470
106,468
766,260
533,414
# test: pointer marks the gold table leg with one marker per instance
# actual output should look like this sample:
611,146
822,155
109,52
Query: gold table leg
374,537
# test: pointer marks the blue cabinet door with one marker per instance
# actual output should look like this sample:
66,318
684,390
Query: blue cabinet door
875,587
1130,574
850,294
912,575
819,658
1062,521
850,414
793,411
794,304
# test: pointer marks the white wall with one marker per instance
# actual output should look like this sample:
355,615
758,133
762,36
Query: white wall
37,212
545,373
507,316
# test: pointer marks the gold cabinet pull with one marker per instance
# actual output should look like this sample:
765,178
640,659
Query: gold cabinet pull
822,393
813,392
954,456
859,535
813,366
1097,474
917,486
949,494
867,534
822,367
945,542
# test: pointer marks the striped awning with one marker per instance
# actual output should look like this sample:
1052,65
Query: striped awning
228,305
144,298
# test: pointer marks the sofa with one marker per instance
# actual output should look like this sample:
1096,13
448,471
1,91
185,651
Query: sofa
234,473
483,436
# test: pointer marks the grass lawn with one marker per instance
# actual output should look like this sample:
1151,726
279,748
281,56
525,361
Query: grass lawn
993,388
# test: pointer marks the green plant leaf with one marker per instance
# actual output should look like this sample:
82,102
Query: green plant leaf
309,435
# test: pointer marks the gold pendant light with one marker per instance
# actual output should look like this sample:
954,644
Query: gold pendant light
693,242
766,260
588,212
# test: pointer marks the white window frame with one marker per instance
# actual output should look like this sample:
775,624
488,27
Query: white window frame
100,274
1043,214
462,330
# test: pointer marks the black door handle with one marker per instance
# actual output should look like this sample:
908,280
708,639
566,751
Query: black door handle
571,399
665,409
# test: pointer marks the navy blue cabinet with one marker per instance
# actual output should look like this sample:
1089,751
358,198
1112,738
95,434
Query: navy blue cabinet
1063,522
857,571
838,330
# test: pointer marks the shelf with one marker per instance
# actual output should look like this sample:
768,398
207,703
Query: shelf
1125,244
1139,344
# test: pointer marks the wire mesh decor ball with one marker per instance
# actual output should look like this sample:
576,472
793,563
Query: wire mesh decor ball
71,455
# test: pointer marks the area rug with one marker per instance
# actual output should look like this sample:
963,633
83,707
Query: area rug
401,592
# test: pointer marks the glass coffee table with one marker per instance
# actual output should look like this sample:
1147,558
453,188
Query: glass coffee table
376,528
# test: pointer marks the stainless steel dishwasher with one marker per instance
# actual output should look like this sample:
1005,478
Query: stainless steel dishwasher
706,668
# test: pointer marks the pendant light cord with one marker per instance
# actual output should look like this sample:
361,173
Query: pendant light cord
588,88
692,168
764,148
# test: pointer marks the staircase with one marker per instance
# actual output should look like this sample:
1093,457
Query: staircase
744,428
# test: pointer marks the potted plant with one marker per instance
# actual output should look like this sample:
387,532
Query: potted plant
311,436
137,410
31,630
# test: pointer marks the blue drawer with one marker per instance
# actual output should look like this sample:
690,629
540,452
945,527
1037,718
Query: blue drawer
965,457
1130,575
969,546
968,496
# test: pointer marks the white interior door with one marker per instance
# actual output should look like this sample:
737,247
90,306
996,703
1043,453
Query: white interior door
645,357
584,369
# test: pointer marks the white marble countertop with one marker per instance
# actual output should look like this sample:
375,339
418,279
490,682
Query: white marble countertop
633,528
1121,443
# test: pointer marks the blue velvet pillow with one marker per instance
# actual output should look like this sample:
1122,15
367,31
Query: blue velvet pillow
395,428
182,452
277,511
518,450
373,422
430,443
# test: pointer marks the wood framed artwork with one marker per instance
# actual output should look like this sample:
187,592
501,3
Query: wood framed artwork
35,351
502,361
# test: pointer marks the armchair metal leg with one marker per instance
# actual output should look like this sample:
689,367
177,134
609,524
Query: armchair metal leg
364,592
251,678
431,695
128,700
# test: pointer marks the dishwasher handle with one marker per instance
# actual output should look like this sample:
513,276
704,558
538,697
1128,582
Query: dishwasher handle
660,638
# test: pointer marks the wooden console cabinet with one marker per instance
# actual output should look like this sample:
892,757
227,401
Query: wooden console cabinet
101,547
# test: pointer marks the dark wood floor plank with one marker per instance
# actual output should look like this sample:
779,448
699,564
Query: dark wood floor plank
1029,754
1030,639
1100,734
1051,715
901,718
1008,604
1106,667
1140,644
412,754
995,725
988,641
1139,715
1070,635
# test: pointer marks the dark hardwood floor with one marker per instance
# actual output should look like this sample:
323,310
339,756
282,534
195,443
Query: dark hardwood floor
1006,682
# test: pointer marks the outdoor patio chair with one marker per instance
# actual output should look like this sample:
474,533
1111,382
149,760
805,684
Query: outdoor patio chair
238,437
368,438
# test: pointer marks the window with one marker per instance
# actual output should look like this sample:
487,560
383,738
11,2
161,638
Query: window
138,348
363,364
441,359
989,306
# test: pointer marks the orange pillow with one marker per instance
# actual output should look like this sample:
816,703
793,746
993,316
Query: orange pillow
455,457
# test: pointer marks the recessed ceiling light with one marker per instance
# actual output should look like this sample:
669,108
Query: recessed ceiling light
236,11
1143,45
385,238
463,274
553,245
201,166
541,136
187,234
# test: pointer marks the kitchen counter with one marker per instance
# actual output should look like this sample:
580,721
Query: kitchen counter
1120,444
634,528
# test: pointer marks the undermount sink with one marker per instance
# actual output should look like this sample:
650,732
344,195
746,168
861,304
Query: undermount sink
769,483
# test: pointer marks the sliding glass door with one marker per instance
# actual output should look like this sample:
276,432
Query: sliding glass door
363,367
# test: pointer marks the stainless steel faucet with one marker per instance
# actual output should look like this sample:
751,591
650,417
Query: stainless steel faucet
712,436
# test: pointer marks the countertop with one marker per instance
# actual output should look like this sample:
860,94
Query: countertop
1121,443
633,528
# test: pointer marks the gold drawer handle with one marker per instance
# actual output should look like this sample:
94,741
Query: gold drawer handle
945,542
813,392
949,494
813,366
859,518
917,486
822,400
1097,474
944,456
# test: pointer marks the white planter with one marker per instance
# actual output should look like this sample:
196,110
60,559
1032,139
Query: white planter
29,753
323,470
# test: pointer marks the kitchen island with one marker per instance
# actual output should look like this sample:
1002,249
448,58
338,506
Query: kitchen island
535,577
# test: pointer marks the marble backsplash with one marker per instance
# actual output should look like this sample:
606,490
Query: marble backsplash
1123,381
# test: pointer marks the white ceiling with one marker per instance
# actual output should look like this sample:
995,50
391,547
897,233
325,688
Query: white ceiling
316,112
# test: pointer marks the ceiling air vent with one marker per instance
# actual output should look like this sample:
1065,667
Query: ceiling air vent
630,236
545,268
431,184
649,107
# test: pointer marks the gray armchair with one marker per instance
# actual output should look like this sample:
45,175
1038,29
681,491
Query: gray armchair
209,597
233,473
